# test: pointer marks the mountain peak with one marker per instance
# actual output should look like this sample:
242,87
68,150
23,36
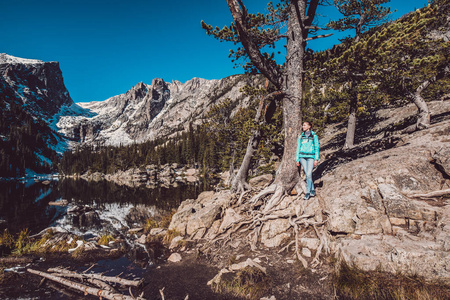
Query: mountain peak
138,91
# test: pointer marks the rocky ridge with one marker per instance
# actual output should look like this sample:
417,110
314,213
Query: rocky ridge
147,112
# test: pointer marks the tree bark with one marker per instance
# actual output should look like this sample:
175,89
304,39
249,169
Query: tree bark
287,174
239,13
351,126
424,115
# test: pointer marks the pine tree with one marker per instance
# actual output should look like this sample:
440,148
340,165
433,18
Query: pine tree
358,15
258,33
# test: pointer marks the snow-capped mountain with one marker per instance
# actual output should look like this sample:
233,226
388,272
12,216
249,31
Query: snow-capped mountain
145,112
150,111
37,85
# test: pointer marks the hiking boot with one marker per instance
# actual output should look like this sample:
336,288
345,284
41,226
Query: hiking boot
306,196
313,193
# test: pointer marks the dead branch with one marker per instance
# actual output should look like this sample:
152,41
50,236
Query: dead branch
67,273
88,269
161,291
431,194
319,37
82,287
15,260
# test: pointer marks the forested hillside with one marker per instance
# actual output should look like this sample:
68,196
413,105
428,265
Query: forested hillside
23,142
391,65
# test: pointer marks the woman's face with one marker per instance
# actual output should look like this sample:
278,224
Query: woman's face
306,126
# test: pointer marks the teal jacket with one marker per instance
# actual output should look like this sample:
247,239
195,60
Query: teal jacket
308,147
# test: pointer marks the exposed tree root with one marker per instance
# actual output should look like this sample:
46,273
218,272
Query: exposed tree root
242,196
267,191
323,245
276,198
259,209
297,247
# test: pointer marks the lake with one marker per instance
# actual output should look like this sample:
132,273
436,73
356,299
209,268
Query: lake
24,204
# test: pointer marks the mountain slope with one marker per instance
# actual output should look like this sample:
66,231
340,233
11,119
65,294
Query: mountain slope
147,112
31,93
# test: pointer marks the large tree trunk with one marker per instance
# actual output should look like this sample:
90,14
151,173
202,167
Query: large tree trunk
290,83
287,175
351,126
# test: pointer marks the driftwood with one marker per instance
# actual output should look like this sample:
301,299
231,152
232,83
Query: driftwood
82,287
67,273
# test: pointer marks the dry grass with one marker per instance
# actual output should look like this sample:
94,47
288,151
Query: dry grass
162,221
250,283
353,283
6,243
170,235
23,244
105,239
150,223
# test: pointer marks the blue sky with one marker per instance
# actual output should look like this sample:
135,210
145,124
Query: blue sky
105,47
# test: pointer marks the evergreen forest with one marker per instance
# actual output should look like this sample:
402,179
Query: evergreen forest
23,141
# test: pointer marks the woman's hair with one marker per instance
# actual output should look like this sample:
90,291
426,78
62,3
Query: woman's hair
309,123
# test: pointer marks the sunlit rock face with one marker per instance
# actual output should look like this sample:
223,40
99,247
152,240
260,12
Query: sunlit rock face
150,111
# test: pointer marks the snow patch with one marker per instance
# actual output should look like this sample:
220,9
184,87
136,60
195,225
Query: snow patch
8,59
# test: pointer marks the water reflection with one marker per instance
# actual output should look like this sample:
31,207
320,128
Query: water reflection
25,204
103,192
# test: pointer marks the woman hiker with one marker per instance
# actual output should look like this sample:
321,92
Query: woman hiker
308,156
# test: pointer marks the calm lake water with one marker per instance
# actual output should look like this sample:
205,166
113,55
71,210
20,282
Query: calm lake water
25,204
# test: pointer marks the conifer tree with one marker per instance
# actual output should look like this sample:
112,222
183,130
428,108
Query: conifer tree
358,15
258,33
409,60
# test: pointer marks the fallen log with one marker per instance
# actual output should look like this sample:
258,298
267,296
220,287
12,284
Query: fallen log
67,273
102,285
15,260
82,287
